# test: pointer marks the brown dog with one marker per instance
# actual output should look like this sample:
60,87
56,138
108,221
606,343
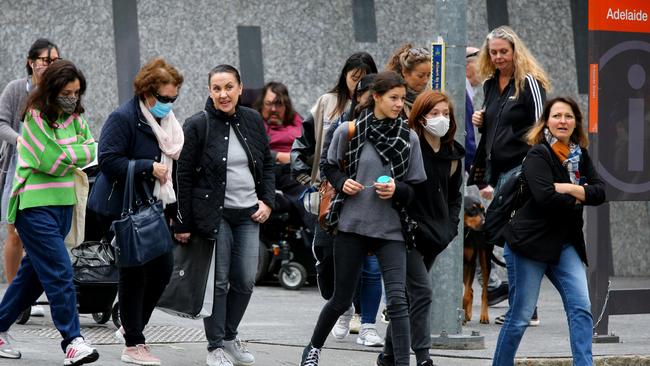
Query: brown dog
475,248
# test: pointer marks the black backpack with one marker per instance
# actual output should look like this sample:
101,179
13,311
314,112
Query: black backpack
511,196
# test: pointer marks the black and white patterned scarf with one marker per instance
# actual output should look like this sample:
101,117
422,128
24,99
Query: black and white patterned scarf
390,138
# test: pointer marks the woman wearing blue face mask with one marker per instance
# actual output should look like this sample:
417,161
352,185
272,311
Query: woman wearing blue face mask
145,130
436,210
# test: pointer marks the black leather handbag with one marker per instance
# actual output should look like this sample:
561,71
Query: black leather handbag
142,233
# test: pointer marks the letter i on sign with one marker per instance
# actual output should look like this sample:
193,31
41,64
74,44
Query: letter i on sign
636,79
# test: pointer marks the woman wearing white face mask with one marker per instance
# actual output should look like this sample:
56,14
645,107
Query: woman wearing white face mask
436,210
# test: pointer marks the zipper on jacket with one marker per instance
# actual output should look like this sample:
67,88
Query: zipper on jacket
498,118
249,151
112,189
179,216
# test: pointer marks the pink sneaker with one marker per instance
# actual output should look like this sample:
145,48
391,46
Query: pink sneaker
139,355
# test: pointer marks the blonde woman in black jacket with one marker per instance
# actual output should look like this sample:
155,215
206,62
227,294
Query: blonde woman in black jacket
545,235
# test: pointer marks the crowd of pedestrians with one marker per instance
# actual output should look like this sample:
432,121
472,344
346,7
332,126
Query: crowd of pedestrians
381,139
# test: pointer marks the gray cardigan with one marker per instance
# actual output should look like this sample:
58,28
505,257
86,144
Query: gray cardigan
12,101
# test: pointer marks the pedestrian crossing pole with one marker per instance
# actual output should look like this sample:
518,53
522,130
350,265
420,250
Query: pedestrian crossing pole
448,75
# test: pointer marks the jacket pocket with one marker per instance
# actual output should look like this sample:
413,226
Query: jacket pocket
202,218
527,236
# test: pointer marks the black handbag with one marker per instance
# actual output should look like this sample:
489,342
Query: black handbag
190,292
142,233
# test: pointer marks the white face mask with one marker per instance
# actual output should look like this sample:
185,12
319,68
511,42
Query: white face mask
437,126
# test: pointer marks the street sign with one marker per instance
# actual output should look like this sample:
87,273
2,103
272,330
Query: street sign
619,96
438,65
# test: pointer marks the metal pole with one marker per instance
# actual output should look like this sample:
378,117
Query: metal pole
450,22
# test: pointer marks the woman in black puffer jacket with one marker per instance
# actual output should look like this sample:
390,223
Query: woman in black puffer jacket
226,188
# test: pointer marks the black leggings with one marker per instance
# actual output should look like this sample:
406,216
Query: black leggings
139,291
349,252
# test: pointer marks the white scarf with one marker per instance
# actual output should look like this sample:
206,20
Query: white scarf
169,134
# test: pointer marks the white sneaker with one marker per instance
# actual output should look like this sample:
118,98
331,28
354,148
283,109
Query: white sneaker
342,327
37,311
6,349
217,357
369,337
119,334
79,352
238,353
355,324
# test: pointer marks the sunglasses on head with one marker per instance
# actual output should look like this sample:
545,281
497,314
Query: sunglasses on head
165,99
418,52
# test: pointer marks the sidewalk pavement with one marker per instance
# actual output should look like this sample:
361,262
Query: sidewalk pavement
278,324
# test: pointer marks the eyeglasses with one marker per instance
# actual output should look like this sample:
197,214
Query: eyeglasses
276,104
165,99
46,60
472,54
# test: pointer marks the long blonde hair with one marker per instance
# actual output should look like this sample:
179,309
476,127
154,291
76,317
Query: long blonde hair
524,62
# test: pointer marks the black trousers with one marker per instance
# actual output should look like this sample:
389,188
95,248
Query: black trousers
139,291
350,251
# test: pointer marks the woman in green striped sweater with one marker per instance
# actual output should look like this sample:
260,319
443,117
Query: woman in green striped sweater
55,141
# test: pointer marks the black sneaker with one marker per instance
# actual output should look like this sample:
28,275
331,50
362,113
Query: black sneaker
428,362
385,360
534,320
498,294
384,316
310,356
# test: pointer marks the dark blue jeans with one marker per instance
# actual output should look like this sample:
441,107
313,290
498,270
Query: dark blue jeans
370,290
237,254
46,266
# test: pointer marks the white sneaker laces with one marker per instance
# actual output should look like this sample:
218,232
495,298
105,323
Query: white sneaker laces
312,357
240,346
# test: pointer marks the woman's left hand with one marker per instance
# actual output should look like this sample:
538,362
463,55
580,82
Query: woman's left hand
385,191
262,214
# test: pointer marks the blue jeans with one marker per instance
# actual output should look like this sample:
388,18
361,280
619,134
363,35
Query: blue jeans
46,266
370,294
236,259
525,277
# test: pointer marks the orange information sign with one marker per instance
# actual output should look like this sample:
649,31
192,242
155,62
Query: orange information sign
619,15
593,98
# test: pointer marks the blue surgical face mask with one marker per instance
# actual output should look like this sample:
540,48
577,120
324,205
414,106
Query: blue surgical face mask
160,110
